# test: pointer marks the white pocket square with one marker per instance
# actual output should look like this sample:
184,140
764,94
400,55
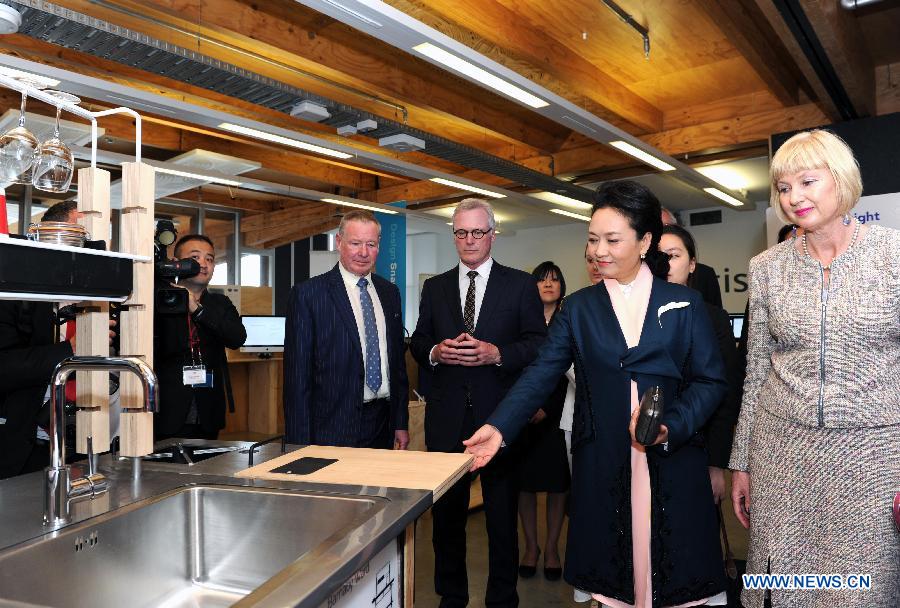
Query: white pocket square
668,307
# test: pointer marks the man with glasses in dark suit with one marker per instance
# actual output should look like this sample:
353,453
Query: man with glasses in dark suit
480,323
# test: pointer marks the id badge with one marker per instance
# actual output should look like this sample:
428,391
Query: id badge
193,374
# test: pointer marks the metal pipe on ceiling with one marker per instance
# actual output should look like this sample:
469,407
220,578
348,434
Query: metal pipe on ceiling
628,19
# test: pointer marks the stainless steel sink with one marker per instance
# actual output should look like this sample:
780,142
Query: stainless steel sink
195,546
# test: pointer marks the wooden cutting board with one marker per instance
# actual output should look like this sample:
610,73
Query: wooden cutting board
435,471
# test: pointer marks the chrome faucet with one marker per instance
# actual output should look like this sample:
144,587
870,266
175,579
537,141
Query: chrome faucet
59,488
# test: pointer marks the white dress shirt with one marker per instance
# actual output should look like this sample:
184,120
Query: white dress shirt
484,273
350,282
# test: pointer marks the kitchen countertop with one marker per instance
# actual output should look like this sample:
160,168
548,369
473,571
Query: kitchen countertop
21,505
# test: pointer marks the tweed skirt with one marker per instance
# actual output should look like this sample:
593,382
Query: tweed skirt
821,504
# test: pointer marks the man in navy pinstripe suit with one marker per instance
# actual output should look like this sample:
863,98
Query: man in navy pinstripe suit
344,368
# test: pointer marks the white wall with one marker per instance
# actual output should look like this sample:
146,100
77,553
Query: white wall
728,247
564,245
321,262
427,254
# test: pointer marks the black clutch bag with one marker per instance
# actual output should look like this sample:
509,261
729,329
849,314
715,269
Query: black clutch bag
650,418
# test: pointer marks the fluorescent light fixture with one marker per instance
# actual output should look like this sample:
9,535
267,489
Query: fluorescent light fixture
726,176
335,201
279,139
724,197
452,184
458,64
559,199
205,178
577,216
28,77
352,13
639,154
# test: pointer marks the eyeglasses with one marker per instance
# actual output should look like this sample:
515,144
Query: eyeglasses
476,234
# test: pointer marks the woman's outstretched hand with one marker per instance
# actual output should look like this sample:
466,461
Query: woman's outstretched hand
483,445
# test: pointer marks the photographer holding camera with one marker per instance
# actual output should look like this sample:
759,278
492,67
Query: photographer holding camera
189,348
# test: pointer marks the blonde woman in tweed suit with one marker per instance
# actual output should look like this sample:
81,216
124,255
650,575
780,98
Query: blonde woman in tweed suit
816,455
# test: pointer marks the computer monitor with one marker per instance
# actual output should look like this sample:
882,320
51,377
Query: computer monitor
265,334
737,324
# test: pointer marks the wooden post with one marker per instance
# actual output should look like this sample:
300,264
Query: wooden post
138,194
92,325
409,566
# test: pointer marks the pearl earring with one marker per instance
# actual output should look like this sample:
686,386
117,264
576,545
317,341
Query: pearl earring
846,219
643,255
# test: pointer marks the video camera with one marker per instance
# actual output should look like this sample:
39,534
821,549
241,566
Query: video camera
170,300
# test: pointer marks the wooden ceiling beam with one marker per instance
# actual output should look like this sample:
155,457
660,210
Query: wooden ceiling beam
206,195
340,64
301,233
300,211
737,130
769,9
751,34
721,109
506,37
427,190
281,160
840,35
289,232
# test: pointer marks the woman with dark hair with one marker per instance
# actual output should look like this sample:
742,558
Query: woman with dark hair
544,466
718,433
643,528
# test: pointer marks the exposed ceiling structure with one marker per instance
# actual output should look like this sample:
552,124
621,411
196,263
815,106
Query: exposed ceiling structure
230,76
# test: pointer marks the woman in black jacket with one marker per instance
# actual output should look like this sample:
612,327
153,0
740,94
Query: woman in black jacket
719,431
544,466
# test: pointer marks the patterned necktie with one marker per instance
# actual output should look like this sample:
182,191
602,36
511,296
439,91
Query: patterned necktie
373,353
469,312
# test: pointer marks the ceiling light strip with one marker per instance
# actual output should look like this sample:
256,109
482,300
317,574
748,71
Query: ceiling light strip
280,139
577,216
466,68
722,196
336,201
559,199
461,186
639,154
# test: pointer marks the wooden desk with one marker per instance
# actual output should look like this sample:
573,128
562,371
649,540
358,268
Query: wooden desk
257,385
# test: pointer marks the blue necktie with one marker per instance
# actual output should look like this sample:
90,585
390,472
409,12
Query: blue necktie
373,353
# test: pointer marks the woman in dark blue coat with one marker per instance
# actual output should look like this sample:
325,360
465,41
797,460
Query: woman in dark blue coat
643,527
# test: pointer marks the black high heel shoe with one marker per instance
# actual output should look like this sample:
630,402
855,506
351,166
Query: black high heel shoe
529,571
552,574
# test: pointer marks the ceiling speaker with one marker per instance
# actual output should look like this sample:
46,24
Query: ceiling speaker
402,143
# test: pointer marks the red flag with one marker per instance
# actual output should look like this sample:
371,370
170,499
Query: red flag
70,384
4,224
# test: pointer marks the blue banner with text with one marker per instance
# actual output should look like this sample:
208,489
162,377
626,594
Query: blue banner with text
391,263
